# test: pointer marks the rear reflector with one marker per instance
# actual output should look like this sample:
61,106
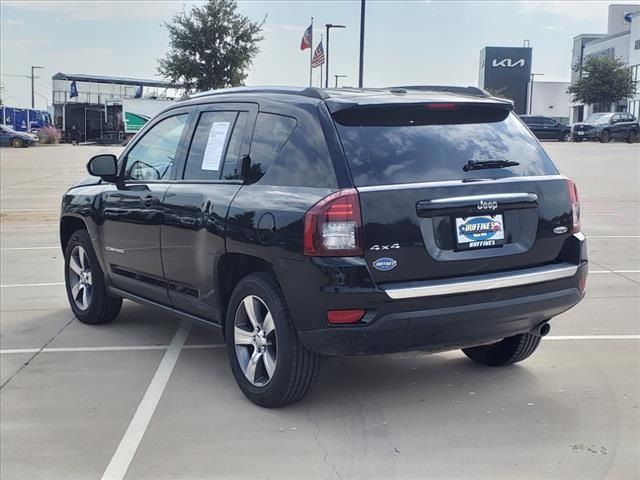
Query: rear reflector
344,316
575,206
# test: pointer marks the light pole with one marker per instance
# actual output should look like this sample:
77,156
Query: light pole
33,96
533,75
329,27
361,69
337,77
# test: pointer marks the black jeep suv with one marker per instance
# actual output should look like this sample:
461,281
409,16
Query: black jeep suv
306,222
606,127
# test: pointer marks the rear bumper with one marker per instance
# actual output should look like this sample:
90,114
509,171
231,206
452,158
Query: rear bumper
443,329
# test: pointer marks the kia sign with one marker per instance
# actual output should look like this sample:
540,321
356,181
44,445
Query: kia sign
505,72
508,63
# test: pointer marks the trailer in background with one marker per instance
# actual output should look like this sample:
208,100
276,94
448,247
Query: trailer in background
126,116
24,119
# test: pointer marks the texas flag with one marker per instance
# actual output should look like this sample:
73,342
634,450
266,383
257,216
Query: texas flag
306,38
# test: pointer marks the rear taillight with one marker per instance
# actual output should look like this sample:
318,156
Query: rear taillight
332,227
575,206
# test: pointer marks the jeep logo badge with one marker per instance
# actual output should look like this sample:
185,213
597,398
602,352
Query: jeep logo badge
482,205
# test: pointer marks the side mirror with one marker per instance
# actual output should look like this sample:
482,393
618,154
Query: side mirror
104,166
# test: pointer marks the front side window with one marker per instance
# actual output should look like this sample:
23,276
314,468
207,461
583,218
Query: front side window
153,156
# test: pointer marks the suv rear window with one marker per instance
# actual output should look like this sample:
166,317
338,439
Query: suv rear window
388,145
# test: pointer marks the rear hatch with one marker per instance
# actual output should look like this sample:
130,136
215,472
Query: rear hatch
430,206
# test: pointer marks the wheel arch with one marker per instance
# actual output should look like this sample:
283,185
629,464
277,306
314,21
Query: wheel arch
233,267
68,225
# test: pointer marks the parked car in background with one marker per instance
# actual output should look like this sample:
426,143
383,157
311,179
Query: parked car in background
9,137
606,127
546,128
293,224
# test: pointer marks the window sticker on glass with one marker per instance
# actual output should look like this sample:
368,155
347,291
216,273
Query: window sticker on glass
215,146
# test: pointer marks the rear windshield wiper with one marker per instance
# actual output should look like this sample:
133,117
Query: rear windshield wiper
480,164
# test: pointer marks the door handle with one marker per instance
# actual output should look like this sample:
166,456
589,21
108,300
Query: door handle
151,201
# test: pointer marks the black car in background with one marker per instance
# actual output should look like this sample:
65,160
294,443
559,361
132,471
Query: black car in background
307,222
606,127
546,128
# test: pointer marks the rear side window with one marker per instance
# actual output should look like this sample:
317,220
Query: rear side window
407,145
269,137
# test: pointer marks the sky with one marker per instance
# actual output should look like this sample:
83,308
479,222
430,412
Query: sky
406,42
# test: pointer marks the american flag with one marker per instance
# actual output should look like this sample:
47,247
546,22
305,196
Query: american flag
318,56
306,38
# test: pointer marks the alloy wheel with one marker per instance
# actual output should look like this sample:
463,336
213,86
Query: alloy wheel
255,340
80,279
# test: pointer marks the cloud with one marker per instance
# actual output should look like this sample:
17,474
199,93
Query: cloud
591,10
102,9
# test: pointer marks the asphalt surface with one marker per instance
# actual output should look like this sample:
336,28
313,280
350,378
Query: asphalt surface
148,398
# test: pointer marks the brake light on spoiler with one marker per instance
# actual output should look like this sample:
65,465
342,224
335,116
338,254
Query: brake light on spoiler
332,227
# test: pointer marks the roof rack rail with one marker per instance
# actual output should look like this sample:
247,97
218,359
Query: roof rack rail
310,92
475,91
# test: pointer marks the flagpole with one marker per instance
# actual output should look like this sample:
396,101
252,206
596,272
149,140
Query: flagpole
311,56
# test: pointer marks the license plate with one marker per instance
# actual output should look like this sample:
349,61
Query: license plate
480,231
580,133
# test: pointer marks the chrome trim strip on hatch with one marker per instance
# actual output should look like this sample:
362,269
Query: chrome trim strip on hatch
481,282
452,183
484,196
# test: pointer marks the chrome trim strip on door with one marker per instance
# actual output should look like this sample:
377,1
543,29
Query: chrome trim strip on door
481,282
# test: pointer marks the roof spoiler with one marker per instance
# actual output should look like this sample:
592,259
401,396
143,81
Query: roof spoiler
475,91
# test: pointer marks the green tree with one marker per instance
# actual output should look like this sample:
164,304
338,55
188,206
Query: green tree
211,47
605,80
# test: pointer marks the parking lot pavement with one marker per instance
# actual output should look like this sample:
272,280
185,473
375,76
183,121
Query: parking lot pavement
128,399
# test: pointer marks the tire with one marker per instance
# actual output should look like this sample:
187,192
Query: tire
632,136
97,306
577,139
605,136
505,352
566,137
17,143
294,369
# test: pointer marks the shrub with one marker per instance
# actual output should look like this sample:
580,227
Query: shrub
49,134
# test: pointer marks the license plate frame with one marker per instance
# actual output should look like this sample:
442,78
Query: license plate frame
480,231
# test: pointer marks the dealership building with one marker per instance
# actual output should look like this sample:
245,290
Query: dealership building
622,40
87,102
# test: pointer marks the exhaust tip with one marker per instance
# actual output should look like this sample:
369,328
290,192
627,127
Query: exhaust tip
542,330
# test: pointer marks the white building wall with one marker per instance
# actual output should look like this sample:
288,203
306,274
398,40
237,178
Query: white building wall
634,62
550,99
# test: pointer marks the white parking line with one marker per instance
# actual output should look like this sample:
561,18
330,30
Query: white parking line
29,196
613,271
27,248
602,214
613,236
14,210
216,346
21,285
125,348
592,337
119,464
